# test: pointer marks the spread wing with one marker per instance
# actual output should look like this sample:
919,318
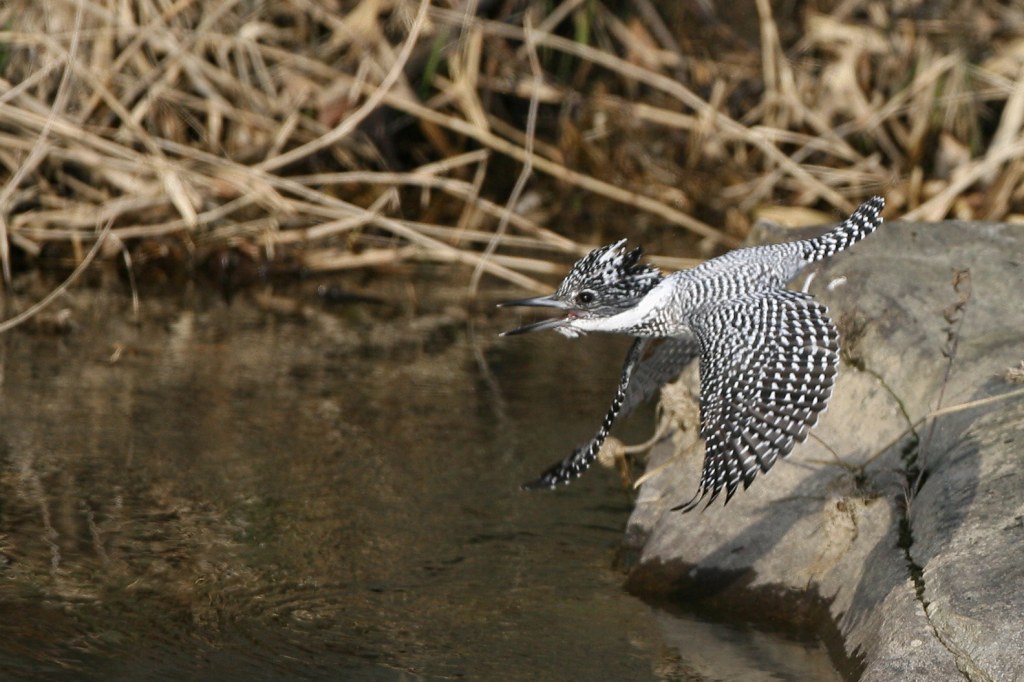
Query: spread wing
768,362
640,379
573,466
662,366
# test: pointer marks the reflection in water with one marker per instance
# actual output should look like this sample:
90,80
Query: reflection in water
222,492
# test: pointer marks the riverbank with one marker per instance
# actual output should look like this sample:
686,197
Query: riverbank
900,519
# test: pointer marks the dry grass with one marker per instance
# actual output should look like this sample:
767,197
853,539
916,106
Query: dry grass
340,135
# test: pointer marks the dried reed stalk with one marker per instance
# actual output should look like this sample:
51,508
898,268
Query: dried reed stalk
319,132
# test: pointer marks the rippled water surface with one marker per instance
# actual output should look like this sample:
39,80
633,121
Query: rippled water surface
221,491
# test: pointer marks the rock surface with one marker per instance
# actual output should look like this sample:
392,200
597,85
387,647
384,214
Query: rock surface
901,519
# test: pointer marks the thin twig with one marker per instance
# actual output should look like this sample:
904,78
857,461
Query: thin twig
21,317
527,169
350,123
39,148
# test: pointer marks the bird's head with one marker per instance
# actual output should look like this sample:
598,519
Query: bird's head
605,282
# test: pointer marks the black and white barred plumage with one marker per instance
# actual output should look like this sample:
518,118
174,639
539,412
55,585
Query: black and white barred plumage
768,356
582,457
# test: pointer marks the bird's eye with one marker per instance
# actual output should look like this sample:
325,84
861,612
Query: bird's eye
585,297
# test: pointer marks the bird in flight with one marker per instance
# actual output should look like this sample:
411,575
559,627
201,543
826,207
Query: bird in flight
768,355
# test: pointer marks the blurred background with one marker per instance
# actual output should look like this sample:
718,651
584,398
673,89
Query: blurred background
249,140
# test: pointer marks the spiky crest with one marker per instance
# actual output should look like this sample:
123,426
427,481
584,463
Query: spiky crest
608,278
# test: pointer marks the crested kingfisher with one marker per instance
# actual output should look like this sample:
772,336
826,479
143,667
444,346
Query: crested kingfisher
768,355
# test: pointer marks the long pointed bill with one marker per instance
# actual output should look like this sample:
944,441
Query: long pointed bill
539,302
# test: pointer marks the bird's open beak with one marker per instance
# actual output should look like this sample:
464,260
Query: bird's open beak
539,302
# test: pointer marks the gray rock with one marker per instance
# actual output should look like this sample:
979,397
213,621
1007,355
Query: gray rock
905,532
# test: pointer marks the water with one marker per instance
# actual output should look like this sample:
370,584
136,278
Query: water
222,491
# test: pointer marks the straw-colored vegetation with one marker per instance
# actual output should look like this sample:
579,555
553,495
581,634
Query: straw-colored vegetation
501,136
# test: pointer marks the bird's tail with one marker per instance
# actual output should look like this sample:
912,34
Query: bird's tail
860,224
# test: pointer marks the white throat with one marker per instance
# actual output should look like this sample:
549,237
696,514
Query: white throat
622,323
